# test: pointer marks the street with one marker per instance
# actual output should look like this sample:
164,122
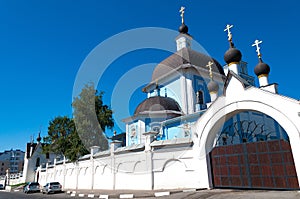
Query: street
21,195
203,194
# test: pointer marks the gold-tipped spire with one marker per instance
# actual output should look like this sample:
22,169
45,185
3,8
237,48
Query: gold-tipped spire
182,14
256,44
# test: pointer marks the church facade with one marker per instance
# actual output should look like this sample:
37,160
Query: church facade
201,126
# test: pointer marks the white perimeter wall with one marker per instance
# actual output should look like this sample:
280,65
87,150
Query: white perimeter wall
166,168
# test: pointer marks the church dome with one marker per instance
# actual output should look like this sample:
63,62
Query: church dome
232,55
183,29
156,104
262,68
213,86
185,56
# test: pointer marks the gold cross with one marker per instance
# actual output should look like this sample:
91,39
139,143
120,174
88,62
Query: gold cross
256,43
209,65
228,27
182,13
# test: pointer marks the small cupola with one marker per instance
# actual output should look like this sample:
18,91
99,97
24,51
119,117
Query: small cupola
212,86
262,69
183,40
232,56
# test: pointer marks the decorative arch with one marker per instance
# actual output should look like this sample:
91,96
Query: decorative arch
135,166
168,162
82,171
118,167
97,169
104,168
209,124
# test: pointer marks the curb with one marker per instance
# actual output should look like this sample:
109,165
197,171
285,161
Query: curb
159,194
129,195
126,196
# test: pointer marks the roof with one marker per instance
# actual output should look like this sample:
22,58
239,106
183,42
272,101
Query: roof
185,56
28,145
156,104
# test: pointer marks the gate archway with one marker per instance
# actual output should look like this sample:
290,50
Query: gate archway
209,124
253,154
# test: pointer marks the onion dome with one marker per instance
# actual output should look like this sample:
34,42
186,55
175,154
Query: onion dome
232,55
183,29
158,104
39,138
213,87
261,68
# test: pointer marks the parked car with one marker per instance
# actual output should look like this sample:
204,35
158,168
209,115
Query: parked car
32,187
52,187
1,186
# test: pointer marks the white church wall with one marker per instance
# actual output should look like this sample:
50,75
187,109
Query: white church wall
174,168
70,176
127,170
84,174
103,176
133,169
173,90
59,174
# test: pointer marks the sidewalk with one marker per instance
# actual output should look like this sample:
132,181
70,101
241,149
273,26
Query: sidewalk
185,194
124,193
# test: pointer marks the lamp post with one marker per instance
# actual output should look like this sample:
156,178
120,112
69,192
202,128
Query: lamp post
7,177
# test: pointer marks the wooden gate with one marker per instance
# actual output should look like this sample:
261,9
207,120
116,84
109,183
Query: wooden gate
262,165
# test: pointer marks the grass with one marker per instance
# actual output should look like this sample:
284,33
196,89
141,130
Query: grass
17,185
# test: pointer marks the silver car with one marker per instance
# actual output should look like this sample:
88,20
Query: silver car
52,187
32,187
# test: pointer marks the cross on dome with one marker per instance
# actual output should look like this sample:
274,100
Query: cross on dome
182,14
209,65
256,43
228,27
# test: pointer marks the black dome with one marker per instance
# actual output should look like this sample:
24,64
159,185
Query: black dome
232,55
39,138
262,69
212,86
157,103
183,29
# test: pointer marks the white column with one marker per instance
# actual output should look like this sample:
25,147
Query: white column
263,80
213,96
233,67
183,41
190,94
183,94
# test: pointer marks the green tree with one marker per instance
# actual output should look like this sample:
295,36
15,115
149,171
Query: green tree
63,139
92,117
73,137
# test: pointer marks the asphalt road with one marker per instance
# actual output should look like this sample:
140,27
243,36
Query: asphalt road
21,195
204,194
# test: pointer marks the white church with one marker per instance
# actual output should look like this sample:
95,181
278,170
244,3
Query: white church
201,126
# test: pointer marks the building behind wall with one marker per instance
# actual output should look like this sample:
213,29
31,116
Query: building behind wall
34,158
12,160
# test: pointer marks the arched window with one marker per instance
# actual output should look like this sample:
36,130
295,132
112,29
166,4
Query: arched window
37,163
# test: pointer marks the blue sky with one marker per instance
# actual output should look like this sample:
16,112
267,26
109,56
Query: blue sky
43,44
